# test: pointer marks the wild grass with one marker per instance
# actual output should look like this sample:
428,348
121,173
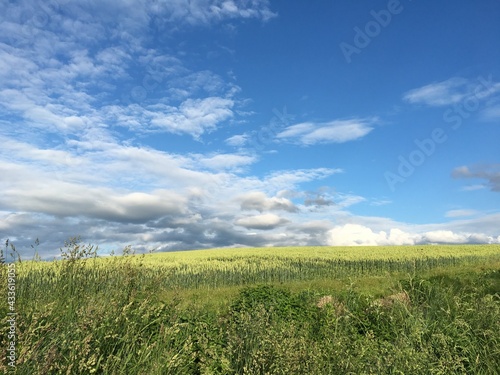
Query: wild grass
414,310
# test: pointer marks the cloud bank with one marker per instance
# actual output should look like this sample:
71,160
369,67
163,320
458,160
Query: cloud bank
359,235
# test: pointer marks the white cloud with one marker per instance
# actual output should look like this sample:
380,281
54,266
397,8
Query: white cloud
442,93
444,236
346,200
141,193
118,193
297,130
359,235
288,179
264,221
451,91
238,140
338,131
193,116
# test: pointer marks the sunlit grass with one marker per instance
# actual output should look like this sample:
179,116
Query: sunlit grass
235,311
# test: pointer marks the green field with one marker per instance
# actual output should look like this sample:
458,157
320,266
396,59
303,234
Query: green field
297,310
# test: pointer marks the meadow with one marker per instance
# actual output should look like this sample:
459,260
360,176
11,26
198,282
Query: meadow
431,309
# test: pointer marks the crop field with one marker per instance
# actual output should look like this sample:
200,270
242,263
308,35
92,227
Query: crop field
226,267
297,310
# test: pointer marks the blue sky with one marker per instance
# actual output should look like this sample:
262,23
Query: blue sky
176,125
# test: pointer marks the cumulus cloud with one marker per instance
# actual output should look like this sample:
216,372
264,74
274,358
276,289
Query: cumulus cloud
68,200
337,131
144,197
444,236
359,235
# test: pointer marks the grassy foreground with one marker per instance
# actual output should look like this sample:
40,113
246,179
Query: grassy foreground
314,310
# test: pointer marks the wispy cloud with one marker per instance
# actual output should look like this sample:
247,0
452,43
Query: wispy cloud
461,213
337,131
491,112
473,187
452,91
442,93
380,202
238,140
224,162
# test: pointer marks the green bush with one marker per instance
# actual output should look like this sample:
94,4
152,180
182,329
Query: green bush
279,302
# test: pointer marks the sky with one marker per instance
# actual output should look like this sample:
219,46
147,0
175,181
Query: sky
178,125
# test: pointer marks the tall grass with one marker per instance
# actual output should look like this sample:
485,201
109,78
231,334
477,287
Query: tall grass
89,315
